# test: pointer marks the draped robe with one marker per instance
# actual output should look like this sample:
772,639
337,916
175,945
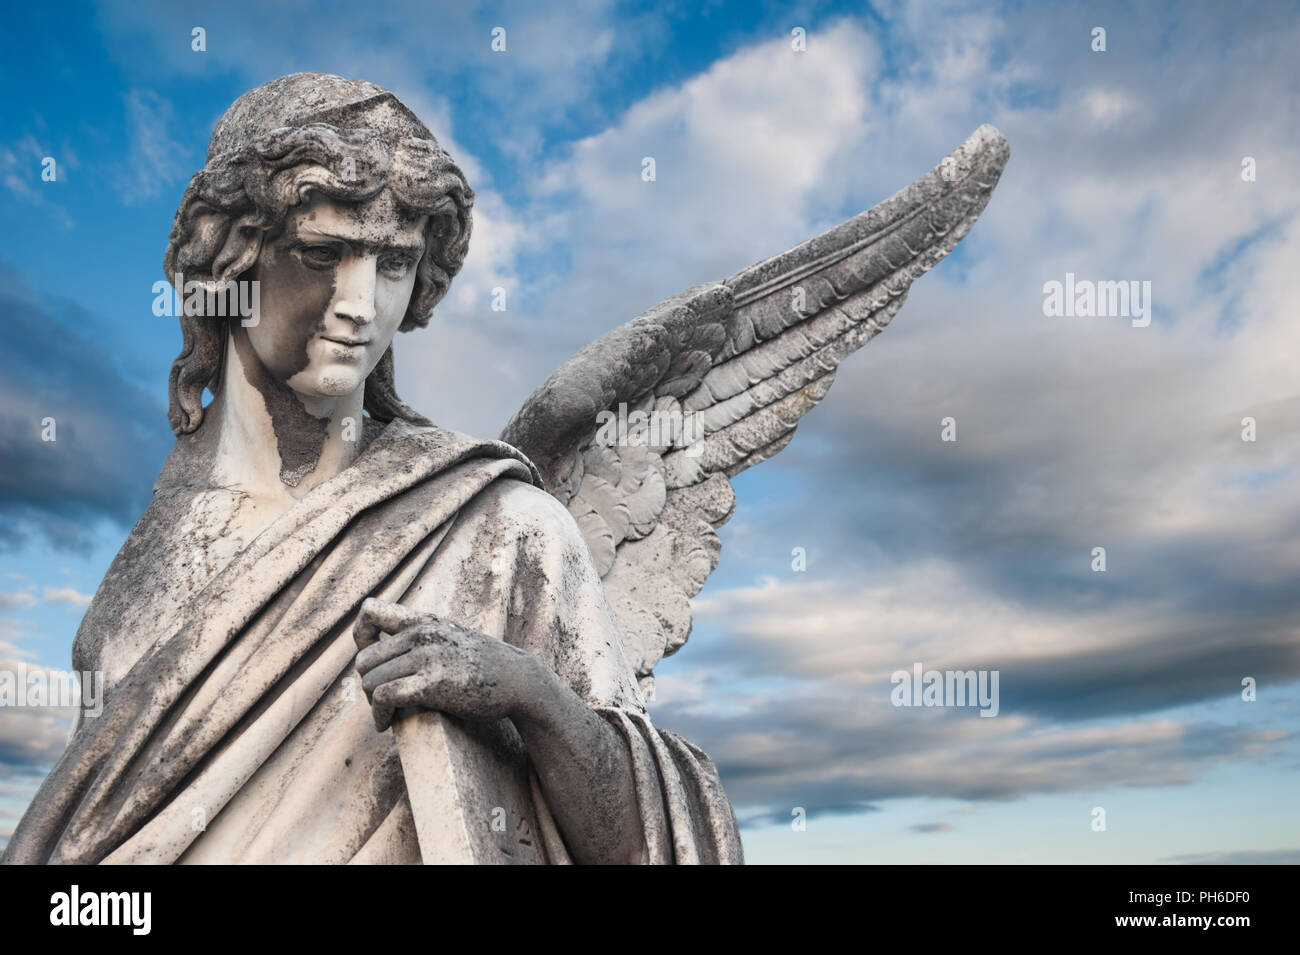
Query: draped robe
234,728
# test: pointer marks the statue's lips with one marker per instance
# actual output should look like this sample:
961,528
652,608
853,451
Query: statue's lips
346,350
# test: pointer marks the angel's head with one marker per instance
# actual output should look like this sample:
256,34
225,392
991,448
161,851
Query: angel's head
338,202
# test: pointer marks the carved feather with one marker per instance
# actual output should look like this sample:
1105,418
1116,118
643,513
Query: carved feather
714,380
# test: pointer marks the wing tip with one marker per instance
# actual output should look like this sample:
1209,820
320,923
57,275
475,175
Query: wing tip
987,143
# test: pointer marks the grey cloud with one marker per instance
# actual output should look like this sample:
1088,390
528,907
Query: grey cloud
1118,663
31,739
837,748
111,435
821,808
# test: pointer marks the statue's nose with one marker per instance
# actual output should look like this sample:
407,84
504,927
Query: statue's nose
354,298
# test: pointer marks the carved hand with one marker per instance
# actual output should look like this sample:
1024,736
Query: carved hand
435,664
584,768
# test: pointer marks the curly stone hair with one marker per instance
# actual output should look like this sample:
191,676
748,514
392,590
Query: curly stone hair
244,194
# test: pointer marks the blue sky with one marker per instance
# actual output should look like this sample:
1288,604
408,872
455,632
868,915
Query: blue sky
1119,690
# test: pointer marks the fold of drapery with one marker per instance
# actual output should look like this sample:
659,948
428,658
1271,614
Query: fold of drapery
685,816
259,617
241,734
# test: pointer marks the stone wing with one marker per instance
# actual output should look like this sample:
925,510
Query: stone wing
639,433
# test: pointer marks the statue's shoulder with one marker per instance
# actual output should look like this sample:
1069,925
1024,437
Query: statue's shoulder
179,544
172,552
530,505
399,440
517,502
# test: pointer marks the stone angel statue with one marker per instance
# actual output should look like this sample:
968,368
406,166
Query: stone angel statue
340,633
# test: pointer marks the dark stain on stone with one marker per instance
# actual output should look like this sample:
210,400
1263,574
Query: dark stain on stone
299,435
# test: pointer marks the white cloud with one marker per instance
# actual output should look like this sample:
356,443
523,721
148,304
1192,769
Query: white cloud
741,155
1108,105
67,595
156,158
20,599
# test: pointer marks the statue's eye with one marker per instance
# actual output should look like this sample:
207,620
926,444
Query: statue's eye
319,256
396,264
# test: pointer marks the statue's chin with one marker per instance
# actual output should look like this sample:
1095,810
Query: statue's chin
338,387
330,383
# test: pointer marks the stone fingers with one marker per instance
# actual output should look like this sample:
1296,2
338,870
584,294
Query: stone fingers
381,616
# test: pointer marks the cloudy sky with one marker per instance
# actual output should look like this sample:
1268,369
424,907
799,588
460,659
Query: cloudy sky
1119,690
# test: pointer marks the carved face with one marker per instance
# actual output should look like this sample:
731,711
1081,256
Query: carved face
334,287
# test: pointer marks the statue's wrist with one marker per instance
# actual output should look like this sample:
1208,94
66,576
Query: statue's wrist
532,689
536,692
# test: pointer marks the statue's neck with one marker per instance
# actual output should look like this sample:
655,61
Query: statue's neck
271,441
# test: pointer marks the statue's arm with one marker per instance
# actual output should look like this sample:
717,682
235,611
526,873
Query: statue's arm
557,673
585,771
